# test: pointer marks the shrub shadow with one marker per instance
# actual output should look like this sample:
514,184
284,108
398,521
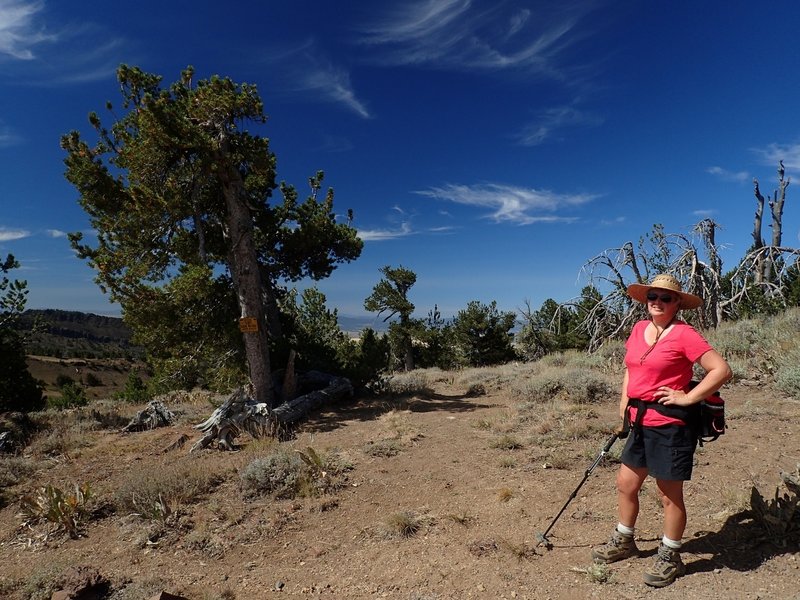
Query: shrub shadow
740,545
369,409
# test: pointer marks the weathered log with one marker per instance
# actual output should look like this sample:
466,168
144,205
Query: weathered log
289,412
154,415
240,412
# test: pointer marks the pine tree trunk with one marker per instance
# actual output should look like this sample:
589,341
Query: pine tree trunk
246,277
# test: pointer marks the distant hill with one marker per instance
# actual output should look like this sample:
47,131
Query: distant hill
355,325
72,334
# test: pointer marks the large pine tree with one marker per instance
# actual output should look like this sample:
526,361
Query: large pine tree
190,239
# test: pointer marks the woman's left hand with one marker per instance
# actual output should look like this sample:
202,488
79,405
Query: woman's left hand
666,395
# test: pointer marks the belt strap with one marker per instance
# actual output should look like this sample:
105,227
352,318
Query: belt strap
690,415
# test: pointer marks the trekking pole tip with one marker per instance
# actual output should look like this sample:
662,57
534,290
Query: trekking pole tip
540,537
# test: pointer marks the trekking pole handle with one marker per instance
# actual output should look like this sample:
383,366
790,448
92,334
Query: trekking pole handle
611,441
614,437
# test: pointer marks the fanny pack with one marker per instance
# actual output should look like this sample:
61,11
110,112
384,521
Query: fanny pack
706,418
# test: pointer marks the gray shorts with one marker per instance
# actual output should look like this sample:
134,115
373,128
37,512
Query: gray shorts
667,452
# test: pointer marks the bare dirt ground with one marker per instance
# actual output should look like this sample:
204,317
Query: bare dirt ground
478,503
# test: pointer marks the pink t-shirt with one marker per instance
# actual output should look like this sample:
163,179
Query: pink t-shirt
669,363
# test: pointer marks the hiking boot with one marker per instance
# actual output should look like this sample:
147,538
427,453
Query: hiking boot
619,547
666,569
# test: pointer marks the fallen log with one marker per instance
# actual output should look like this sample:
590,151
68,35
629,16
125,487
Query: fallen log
240,412
293,410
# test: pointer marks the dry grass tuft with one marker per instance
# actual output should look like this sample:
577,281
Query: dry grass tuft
462,518
521,550
383,448
157,493
405,524
508,462
505,494
506,442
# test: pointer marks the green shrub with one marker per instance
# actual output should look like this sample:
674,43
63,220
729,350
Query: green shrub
72,395
287,473
14,469
19,391
580,386
62,380
134,390
92,380
787,379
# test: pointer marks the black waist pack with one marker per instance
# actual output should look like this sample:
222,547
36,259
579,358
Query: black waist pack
712,418
706,418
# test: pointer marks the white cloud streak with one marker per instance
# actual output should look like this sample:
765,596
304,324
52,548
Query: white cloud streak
788,153
518,205
56,233
8,139
725,175
8,235
34,54
309,71
18,32
458,34
380,235
553,120
334,84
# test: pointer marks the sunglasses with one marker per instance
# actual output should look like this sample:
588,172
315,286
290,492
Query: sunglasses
665,298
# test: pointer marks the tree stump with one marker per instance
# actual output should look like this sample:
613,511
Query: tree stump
156,414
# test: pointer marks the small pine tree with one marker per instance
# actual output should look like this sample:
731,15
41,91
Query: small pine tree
19,391
483,334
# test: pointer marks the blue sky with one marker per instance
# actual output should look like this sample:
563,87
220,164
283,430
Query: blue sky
492,147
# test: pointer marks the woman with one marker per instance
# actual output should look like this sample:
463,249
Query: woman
656,394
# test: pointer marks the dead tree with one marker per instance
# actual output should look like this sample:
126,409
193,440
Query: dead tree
614,269
695,260
766,261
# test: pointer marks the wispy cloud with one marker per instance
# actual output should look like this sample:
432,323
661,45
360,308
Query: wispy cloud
379,235
462,34
443,229
613,222
34,53
8,235
788,153
333,83
8,137
306,69
522,206
552,121
19,33
55,233
725,175
704,212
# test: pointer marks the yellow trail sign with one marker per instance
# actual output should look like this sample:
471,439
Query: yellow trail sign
248,325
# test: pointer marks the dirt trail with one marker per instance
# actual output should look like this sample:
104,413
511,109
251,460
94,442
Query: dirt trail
478,508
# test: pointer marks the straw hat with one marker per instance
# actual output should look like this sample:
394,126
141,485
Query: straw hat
638,291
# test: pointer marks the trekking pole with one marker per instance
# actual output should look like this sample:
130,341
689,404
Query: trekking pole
542,537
